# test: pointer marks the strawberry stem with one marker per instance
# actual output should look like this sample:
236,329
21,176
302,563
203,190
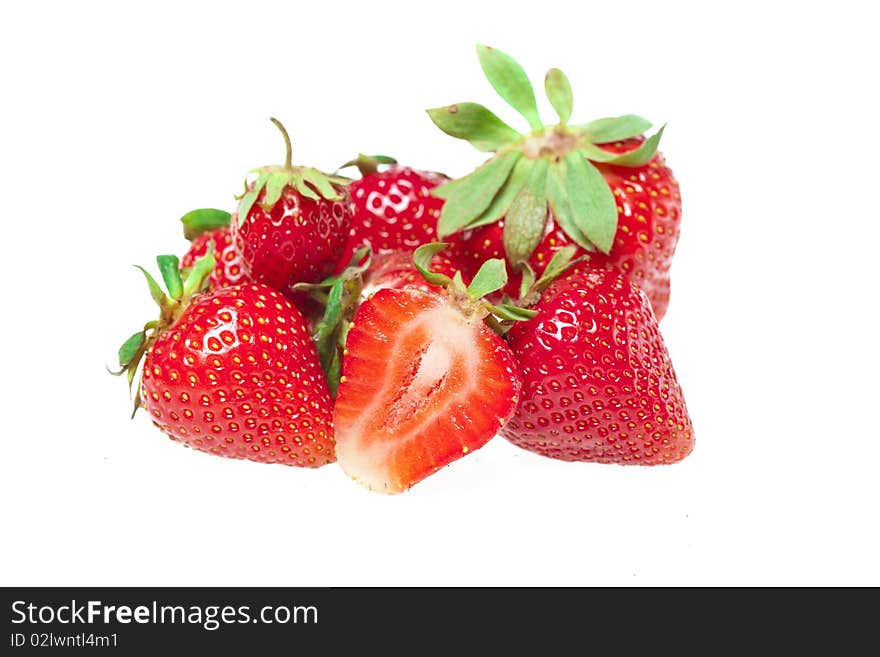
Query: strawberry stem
288,158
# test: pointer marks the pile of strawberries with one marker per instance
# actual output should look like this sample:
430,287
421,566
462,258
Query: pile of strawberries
397,322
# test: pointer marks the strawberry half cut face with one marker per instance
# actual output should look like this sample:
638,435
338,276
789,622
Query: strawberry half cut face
423,385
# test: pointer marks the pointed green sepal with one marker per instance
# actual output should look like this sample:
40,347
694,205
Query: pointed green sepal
509,79
475,124
247,203
197,222
169,267
527,216
596,154
422,261
560,205
616,128
527,280
321,182
156,292
593,205
501,203
472,194
274,184
324,333
643,154
512,313
368,164
558,90
491,277
458,284
198,275
562,259
130,348
334,372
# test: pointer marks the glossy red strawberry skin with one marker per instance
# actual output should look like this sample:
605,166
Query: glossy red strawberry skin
395,269
422,386
298,240
393,210
649,217
598,383
237,375
228,270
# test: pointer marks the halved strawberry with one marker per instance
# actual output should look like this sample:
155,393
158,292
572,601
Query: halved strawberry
424,382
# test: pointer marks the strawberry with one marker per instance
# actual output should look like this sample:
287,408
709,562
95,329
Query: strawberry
598,384
601,186
292,223
232,372
393,209
424,380
208,229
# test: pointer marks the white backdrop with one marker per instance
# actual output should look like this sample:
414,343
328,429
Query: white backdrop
116,119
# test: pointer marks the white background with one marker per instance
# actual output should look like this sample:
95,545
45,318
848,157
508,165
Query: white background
117,118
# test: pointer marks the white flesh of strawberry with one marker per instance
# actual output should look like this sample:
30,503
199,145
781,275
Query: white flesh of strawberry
452,339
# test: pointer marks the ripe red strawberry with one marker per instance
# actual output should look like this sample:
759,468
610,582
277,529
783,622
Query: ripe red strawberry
601,186
425,382
232,372
292,224
208,230
598,384
393,209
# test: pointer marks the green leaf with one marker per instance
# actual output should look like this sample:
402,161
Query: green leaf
528,279
596,154
370,162
247,202
130,348
155,291
473,193
491,276
512,313
475,124
562,259
422,261
643,154
325,342
499,205
169,267
527,216
559,94
615,128
334,373
458,284
196,222
593,206
275,184
305,190
561,206
511,82
320,182
199,272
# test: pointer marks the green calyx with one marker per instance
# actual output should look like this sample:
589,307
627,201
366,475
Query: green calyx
340,296
547,169
273,179
172,301
368,164
470,299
